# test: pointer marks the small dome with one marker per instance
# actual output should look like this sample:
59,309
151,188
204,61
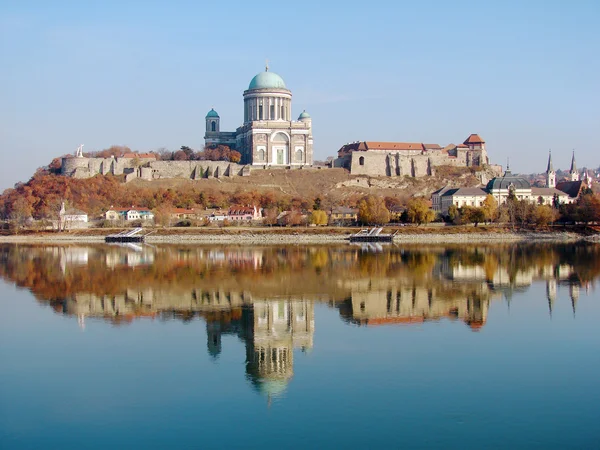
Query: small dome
304,115
267,80
506,181
212,113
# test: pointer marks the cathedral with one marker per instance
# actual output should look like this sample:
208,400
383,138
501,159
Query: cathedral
268,136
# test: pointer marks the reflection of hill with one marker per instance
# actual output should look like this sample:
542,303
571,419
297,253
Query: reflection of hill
409,284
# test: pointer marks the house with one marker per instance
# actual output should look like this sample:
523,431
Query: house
340,214
129,214
396,213
72,217
572,189
244,213
218,215
184,213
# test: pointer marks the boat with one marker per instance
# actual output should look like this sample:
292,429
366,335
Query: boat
371,235
127,236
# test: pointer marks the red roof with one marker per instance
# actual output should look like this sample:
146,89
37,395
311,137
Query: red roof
474,139
391,320
240,210
374,145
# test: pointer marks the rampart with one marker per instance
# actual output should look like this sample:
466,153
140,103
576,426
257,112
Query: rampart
149,168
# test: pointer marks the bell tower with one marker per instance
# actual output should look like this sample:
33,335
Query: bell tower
550,173
213,122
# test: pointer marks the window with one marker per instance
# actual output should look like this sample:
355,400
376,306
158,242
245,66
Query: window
272,112
282,116
260,112
213,126
361,161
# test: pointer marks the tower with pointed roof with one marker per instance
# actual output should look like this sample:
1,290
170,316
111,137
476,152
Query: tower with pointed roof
550,173
573,173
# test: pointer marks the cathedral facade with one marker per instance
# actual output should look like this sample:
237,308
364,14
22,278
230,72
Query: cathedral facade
268,136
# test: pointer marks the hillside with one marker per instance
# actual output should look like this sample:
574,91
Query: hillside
43,194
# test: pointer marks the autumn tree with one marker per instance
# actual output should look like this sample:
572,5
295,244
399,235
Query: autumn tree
293,218
318,217
418,211
544,215
490,208
453,213
21,212
588,208
372,211
270,216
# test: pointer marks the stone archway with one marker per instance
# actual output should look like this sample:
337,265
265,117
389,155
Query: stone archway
280,147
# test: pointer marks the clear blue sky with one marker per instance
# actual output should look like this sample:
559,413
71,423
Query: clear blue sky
525,75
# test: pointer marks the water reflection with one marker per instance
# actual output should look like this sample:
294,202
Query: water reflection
266,295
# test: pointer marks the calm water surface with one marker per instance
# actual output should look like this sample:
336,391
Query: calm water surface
298,347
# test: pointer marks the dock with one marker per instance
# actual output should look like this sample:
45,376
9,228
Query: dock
372,235
127,236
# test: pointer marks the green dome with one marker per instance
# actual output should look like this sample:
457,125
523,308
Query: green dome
267,80
212,113
304,115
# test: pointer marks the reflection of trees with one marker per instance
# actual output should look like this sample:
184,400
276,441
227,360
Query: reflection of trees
181,276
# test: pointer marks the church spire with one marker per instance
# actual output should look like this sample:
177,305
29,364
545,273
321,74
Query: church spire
573,172
550,173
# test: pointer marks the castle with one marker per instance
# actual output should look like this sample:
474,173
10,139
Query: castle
268,135
410,158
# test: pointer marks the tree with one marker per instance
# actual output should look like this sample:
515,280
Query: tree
453,213
418,211
478,216
180,155
490,208
318,217
270,216
544,215
21,212
317,203
188,151
588,208
372,211
292,218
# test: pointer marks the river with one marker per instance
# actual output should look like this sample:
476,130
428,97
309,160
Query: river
341,346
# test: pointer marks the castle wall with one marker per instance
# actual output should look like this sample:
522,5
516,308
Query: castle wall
400,163
149,169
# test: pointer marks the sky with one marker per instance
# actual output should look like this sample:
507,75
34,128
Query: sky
525,75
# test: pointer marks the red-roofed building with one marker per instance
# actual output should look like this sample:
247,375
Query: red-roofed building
244,213
378,158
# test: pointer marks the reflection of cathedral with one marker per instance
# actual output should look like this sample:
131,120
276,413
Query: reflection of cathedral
271,331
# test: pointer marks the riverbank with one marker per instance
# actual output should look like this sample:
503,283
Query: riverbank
314,236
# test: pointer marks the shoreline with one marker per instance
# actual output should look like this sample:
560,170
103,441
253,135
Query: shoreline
300,237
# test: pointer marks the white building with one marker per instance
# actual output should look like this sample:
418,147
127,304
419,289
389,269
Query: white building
268,136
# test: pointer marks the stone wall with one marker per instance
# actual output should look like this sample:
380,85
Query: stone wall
134,168
399,163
